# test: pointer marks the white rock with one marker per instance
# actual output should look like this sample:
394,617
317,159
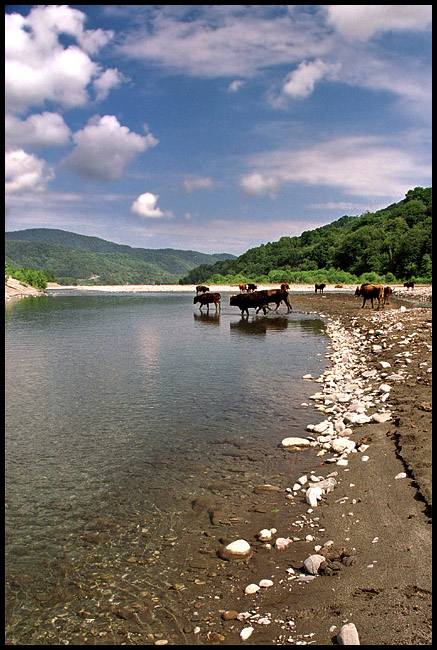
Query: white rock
251,589
381,417
384,388
365,459
342,462
266,583
238,550
302,479
265,535
312,495
297,443
321,427
312,563
282,542
385,364
245,633
348,635
341,445
328,484
401,475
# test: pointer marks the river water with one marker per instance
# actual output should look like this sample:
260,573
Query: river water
120,411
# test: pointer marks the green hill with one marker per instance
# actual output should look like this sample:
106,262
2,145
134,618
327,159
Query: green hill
71,257
394,243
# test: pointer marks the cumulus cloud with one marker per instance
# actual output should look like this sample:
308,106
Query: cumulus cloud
360,166
146,206
363,21
38,68
37,131
300,83
25,173
108,80
104,148
194,184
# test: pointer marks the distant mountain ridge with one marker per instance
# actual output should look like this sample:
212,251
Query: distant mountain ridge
72,257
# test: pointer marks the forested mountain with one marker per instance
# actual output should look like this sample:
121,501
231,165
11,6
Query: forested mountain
70,257
393,243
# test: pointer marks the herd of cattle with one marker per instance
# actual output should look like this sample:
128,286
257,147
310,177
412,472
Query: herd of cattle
250,298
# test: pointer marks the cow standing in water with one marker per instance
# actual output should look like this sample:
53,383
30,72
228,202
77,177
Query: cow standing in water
207,299
201,289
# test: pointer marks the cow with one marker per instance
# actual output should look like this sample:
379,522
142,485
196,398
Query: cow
285,286
242,286
277,296
201,289
387,293
207,299
409,285
251,287
319,287
255,300
370,292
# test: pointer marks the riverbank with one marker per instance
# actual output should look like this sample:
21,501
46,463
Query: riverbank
373,528
16,289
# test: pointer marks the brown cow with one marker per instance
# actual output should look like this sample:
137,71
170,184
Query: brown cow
254,300
242,286
320,287
409,285
207,299
387,293
369,292
277,296
285,286
201,289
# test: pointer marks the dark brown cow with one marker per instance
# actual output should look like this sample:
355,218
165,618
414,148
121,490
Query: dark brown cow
201,289
387,293
370,292
285,286
255,300
277,296
207,299
251,287
319,287
409,285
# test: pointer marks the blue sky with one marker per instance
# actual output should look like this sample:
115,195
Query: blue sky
212,127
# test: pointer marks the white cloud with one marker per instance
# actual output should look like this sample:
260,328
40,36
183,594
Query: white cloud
235,86
363,21
108,80
25,173
104,148
146,206
37,131
257,185
360,166
224,40
38,68
300,83
194,184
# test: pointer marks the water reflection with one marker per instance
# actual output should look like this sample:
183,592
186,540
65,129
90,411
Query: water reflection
212,319
259,325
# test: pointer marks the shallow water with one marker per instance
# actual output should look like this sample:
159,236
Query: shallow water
120,411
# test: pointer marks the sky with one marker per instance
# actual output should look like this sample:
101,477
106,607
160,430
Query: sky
214,128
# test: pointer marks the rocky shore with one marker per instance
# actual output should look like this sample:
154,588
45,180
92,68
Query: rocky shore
351,563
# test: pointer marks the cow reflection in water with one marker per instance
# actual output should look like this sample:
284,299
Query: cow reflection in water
212,319
259,325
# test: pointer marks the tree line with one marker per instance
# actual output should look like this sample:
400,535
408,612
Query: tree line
390,245
36,279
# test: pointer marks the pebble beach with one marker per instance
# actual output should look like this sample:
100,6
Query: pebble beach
340,554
